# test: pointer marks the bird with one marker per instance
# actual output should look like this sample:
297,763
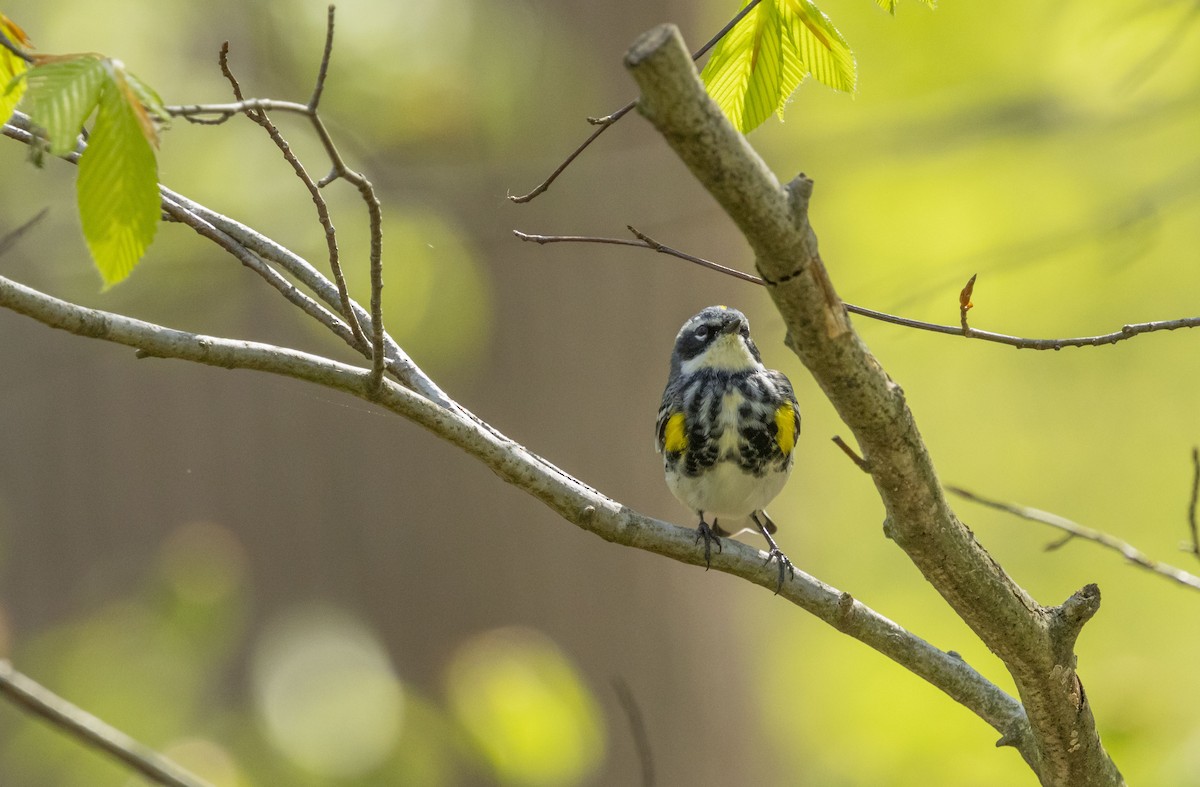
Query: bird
727,430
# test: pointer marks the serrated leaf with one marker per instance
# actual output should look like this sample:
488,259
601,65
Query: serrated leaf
823,49
117,188
12,67
133,97
757,66
745,74
149,99
62,93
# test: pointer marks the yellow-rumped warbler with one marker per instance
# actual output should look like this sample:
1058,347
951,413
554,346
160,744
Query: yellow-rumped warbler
727,428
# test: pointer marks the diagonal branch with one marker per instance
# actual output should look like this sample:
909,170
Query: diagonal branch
1076,530
644,241
603,123
91,731
574,500
1034,642
255,250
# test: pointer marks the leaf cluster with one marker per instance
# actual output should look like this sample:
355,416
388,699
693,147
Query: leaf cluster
117,186
762,60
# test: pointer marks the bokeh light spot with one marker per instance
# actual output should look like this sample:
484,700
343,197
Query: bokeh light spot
527,708
326,693
204,562
206,759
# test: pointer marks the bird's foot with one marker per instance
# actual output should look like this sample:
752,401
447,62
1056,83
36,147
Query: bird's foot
785,566
767,527
703,531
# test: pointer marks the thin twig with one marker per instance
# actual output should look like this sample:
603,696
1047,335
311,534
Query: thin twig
256,110
366,191
1195,545
326,56
11,46
198,113
237,235
399,364
36,699
561,168
1076,530
850,452
177,212
604,122
260,117
1021,343
643,241
637,728
10,240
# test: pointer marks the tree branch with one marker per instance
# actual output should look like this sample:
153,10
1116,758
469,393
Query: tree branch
256,110
1076,530
91,731
1021,343
1066,748
247,245
603,123
574,500
260,117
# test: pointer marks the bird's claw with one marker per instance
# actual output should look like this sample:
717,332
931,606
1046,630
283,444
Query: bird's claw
703,531
785,566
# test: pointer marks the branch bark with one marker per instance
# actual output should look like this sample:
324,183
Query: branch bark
574,500
1075,530
91,731
1034,642
775,221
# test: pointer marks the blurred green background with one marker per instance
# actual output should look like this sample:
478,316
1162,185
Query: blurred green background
278,585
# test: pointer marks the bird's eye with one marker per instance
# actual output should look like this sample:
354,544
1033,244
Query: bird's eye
702,332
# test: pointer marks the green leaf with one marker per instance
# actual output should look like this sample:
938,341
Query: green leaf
745,74
61,94
117,189
757,66
149,99
12,68
822,49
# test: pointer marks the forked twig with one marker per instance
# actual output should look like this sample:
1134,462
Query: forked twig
256,110
259,116
1126,332
1076,530
607,120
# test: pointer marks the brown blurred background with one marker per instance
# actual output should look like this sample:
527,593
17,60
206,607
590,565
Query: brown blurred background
281,585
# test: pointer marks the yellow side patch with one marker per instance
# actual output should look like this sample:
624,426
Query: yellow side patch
675,435
785,426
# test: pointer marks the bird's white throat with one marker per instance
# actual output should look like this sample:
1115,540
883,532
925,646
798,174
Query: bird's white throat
728,353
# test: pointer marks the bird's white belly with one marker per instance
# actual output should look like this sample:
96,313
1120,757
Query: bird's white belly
726,491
